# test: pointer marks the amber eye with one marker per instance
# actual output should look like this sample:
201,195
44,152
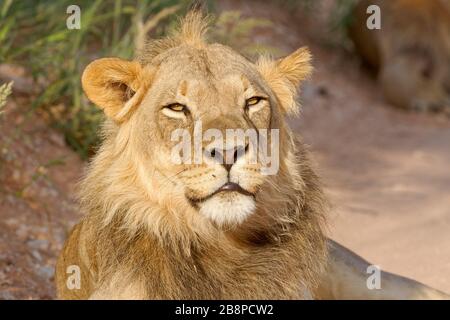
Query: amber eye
177,107
252,101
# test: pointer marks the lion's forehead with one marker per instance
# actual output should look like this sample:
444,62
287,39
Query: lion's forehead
210,64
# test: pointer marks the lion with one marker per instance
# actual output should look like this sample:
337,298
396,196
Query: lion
410,53
156,228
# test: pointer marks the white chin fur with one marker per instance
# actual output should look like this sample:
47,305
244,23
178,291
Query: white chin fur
228,209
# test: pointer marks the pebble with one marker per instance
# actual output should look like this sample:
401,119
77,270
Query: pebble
45,272
39,244
36,255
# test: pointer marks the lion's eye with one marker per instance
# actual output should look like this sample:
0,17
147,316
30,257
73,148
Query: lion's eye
252,101
175,110
177,107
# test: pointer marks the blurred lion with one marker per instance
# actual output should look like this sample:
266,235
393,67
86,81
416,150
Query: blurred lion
155,229
411,51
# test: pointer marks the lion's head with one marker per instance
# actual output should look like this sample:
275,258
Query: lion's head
179,87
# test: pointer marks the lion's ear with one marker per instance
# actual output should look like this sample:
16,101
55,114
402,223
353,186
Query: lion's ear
285,75
117,86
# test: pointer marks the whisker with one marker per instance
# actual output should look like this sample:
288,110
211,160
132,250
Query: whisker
169,178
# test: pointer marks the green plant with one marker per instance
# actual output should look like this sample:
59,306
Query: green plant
307,5
36,36
334,18
341,16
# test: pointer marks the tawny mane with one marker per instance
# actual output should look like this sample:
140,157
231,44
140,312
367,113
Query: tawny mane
192,31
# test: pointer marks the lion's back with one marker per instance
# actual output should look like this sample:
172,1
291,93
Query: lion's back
411,51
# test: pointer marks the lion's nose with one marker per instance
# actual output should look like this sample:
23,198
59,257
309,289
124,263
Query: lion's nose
227,157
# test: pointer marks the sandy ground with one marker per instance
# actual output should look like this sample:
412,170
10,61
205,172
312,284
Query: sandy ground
386,171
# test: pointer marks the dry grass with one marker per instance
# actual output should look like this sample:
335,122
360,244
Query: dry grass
5,91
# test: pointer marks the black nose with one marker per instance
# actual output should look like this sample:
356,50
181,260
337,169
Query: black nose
227,157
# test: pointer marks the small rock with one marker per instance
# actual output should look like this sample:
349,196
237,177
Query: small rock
45,272
5,295
39,244
57,139
22,232
36,255
16,175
